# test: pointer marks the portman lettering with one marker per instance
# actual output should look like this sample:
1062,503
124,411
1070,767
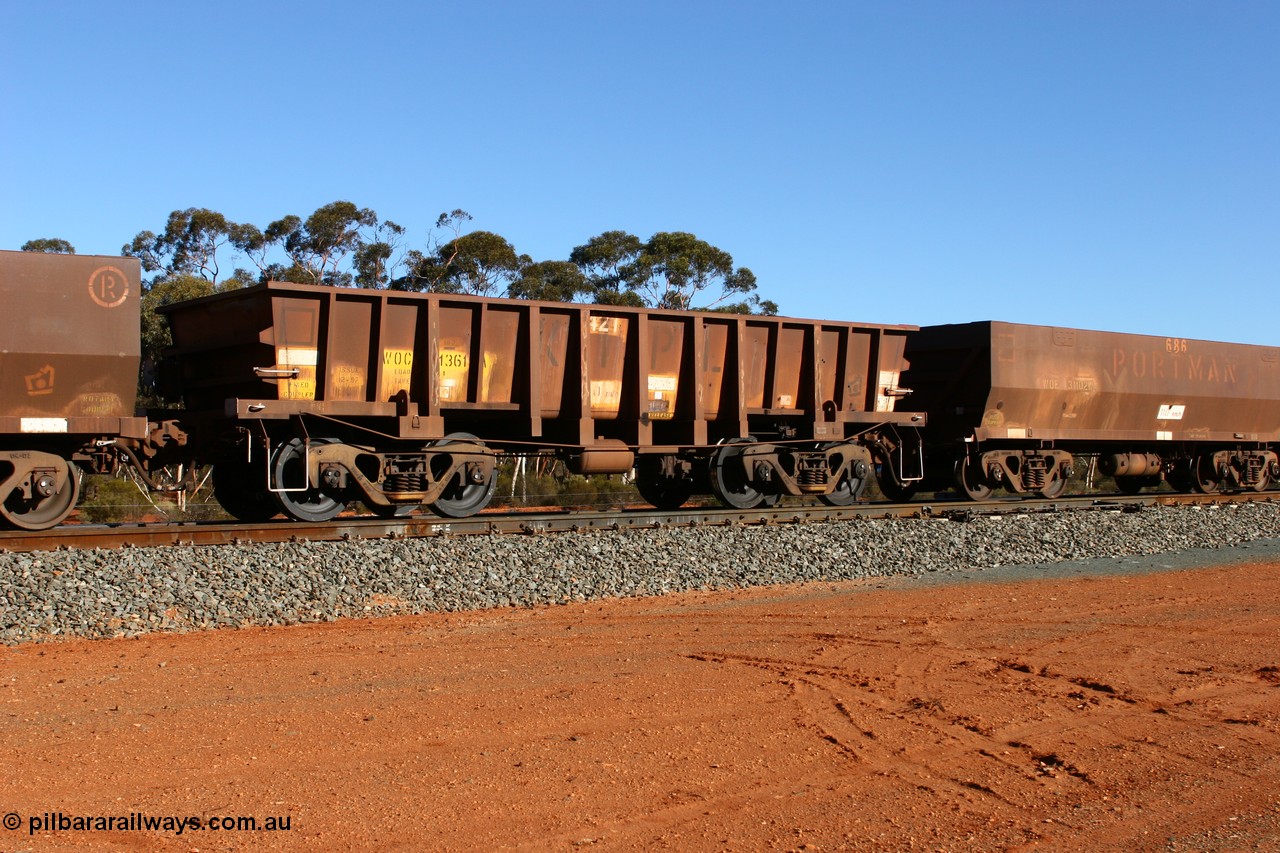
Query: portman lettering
1180,367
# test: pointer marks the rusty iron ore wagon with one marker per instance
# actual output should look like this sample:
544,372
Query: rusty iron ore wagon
404,399
306,399
1013,405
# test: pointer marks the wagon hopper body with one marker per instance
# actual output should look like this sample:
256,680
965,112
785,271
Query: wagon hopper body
1012,405
69,355
400,399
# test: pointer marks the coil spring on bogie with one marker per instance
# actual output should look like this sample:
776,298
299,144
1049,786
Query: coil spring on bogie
1254,466
404,482
1035,473
812,471
811,476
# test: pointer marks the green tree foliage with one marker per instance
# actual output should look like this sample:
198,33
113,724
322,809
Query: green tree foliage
318,245
480,262
155,329
319,248
428,271
189,244
343,244
178,288
373,257
604,260
673,269
49,246
187,258
551,281
249,240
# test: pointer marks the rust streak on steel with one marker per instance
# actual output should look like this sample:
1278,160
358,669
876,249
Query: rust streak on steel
364,527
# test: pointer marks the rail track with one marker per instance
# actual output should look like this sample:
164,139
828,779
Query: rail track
161,534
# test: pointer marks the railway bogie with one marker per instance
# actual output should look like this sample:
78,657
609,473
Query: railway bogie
1020,470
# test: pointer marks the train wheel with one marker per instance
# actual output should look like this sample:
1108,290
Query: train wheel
1264,481
1179,476
240,487
729,481
852,484
663,492
48,505
461,499
968,480
1207,480
1054,488
298,499
891,487
843,494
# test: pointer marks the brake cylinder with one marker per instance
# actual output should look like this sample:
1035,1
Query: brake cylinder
607,456
1129,464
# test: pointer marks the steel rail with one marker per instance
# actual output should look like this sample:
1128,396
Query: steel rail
162,534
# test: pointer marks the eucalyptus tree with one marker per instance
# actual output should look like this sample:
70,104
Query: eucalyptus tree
479,262
192,243
49,246
339,244
604,260
552,281
374,255
187,259
319,245
672,269
165,290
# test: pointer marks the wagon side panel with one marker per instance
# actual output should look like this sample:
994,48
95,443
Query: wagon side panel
69,358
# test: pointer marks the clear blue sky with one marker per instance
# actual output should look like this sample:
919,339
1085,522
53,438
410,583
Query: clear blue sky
1109,165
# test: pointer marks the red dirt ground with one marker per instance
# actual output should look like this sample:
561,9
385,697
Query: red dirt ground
1138,712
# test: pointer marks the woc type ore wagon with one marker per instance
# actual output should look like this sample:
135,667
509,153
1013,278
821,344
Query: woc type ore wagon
400,399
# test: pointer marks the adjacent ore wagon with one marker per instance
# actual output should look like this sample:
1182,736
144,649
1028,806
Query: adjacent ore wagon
307,398
69,353
1013,405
